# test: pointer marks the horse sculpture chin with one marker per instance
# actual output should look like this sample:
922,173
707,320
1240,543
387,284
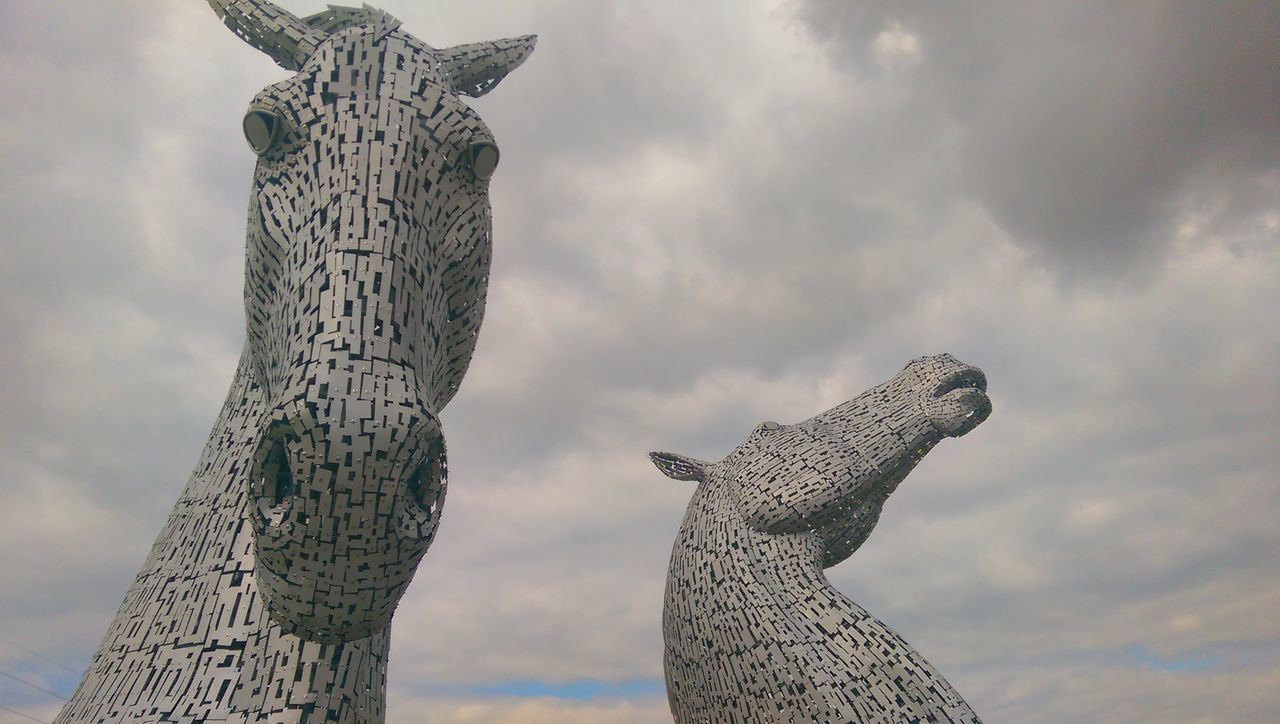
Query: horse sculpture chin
753,631
268,594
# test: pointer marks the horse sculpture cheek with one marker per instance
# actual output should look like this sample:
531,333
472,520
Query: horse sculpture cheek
753,631
780,490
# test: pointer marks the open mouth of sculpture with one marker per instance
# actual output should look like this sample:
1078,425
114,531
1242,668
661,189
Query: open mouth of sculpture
959,402
967,378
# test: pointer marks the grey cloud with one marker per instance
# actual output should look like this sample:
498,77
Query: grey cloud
1110,692
1083,123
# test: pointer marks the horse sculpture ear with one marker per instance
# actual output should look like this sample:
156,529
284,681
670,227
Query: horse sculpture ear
288,39
679,467
475,68
340,17
283,36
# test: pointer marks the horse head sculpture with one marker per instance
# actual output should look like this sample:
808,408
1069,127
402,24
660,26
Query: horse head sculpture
753,630
368,252
268,593
830,475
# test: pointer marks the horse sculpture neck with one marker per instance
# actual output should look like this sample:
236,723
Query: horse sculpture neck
760,605
193,641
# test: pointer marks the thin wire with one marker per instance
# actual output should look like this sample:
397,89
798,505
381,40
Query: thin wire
38,655
24,716
50,692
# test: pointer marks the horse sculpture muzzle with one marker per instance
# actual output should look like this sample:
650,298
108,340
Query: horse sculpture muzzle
344,504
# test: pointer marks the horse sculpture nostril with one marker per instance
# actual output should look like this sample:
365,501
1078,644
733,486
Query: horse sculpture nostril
417,488
426,484
423,494
273,481
278,473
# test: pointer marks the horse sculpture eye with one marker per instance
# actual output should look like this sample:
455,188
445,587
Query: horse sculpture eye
261,129
484,159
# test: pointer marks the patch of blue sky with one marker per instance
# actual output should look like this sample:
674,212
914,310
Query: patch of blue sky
580,690
34,681
1141,656
1217,658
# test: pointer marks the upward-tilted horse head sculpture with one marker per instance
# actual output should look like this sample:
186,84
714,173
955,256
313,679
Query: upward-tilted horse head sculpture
367,264
753,630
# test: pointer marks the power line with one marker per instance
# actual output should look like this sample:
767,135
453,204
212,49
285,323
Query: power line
40,656
20,680
24,716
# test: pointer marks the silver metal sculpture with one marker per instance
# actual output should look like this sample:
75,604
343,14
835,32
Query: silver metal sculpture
753,630
268,594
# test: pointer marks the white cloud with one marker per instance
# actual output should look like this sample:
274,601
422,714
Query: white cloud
896,48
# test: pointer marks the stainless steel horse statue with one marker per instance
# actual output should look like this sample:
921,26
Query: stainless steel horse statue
269,592
753,631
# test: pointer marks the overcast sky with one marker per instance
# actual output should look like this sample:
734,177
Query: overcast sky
708,215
